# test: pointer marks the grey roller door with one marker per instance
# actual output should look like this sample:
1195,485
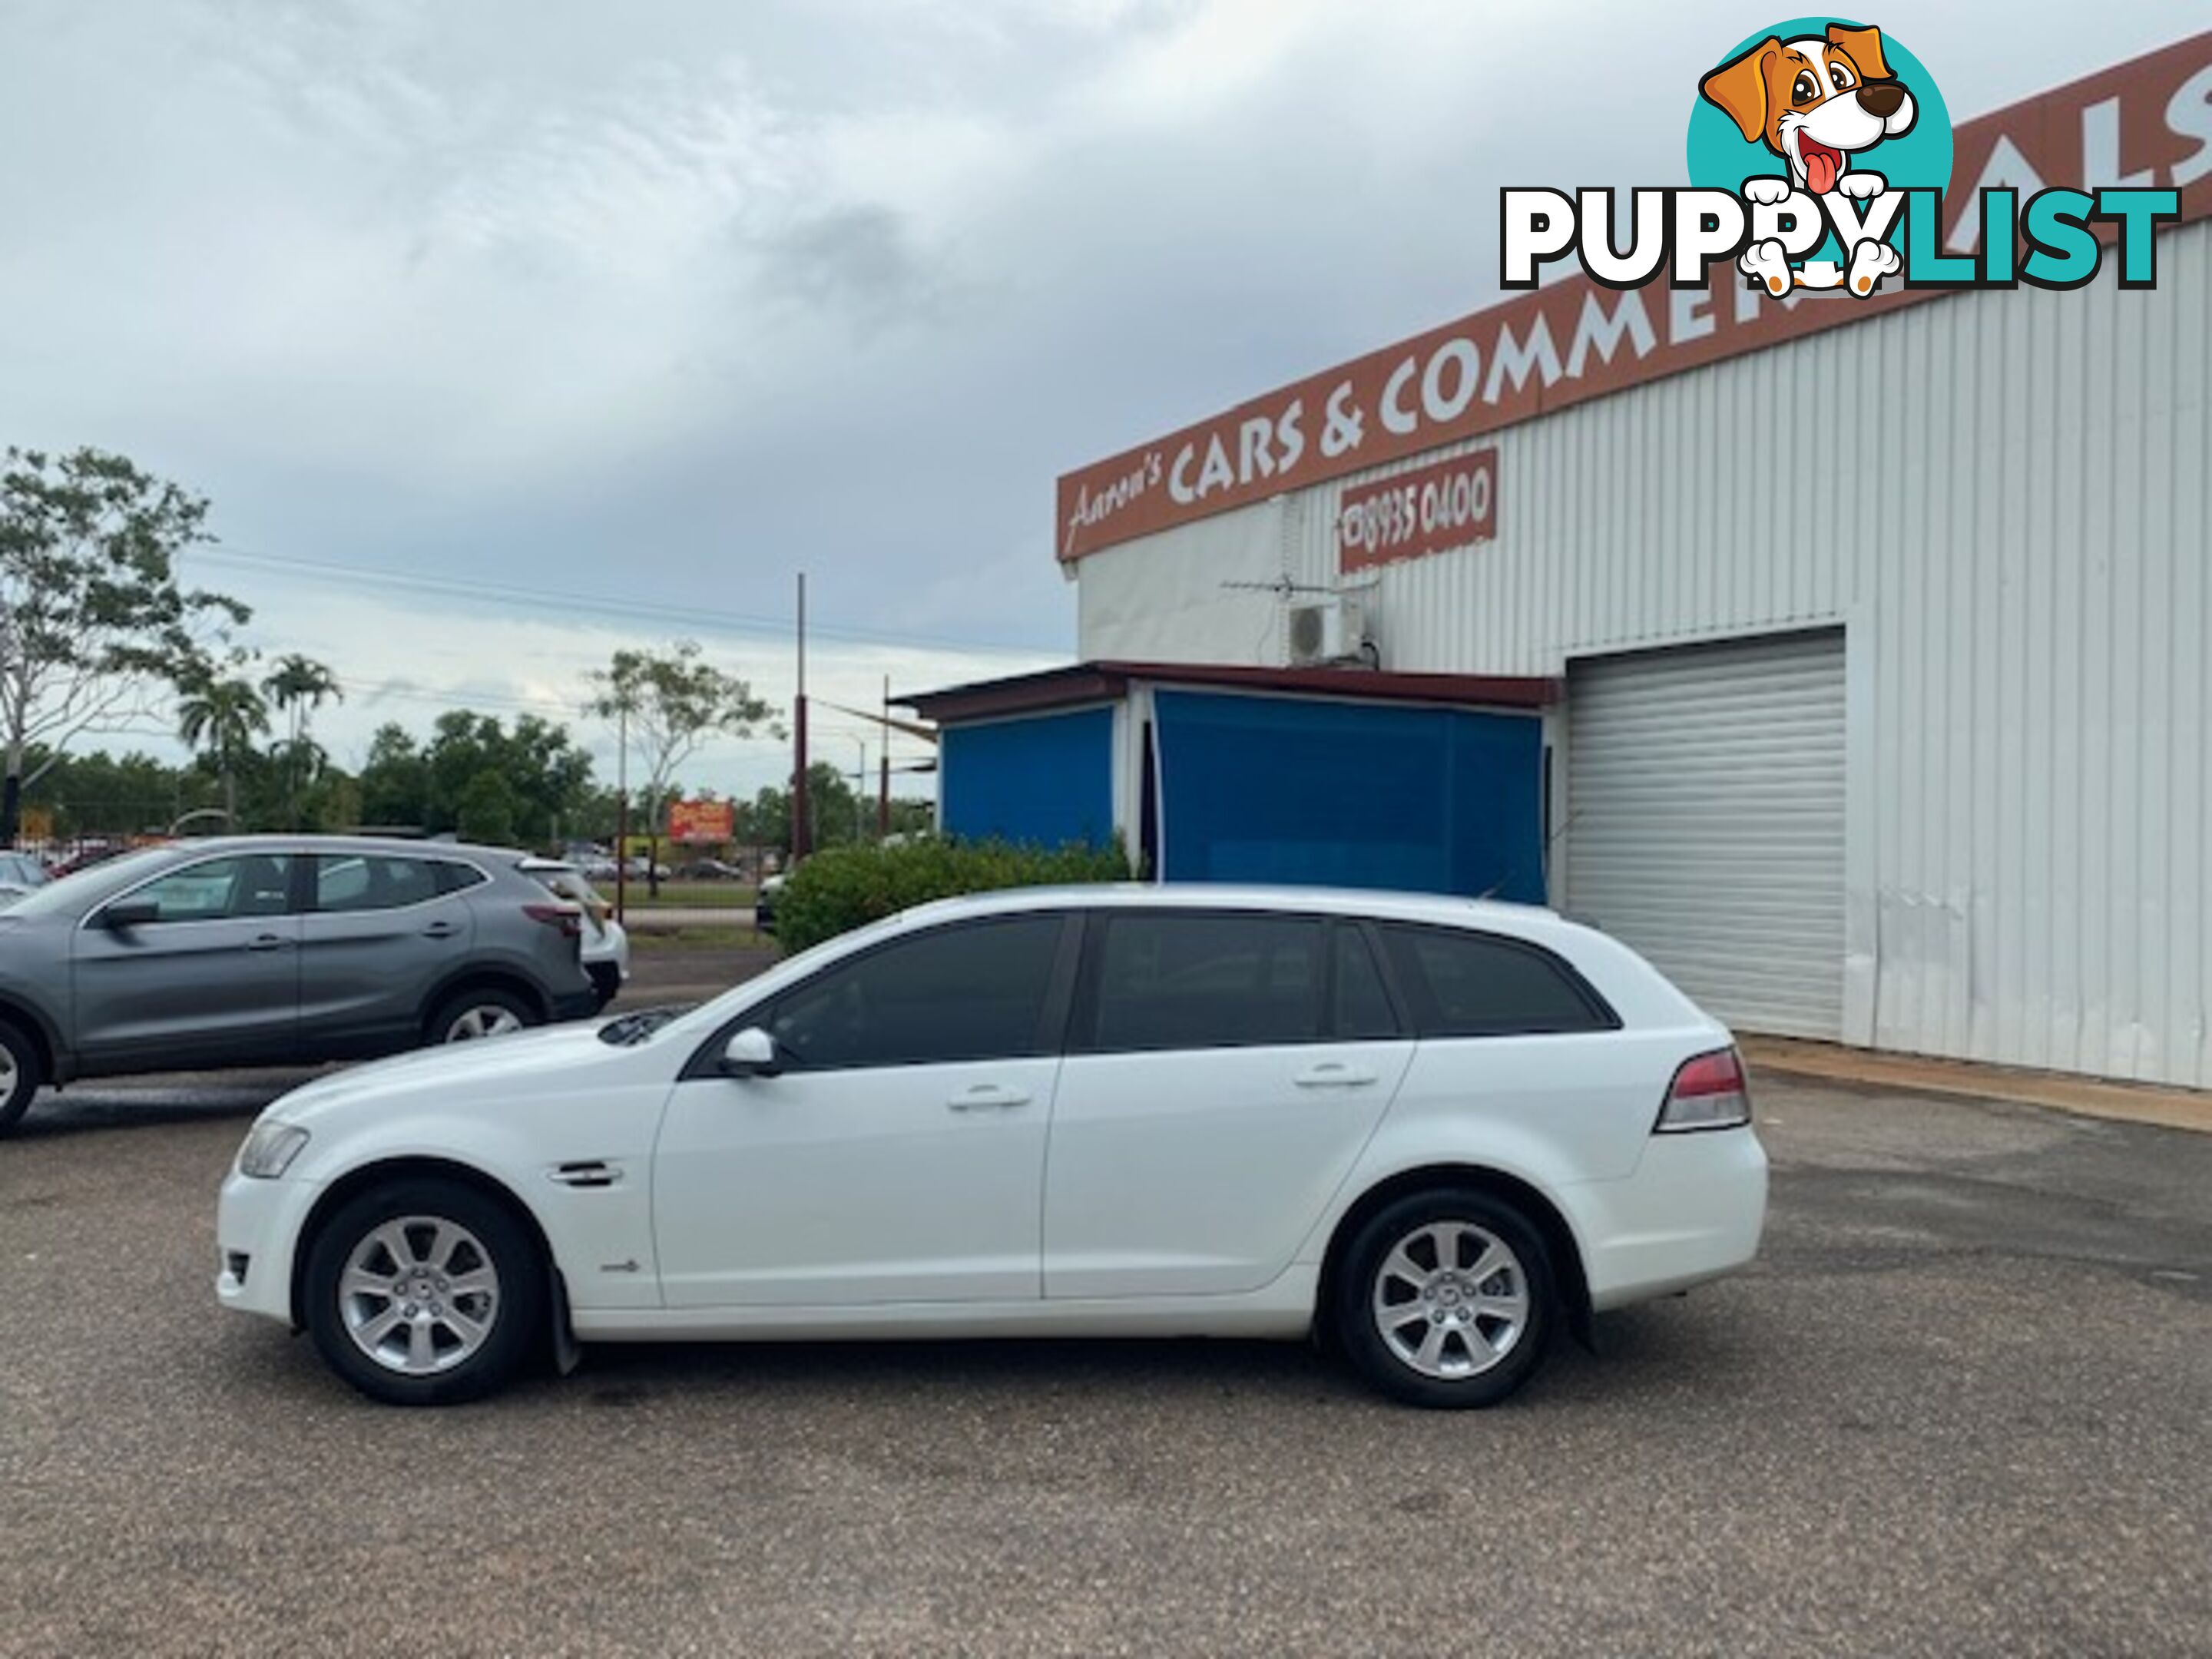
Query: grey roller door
1705,789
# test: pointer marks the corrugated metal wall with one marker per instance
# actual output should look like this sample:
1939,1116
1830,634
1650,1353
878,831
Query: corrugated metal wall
2003,497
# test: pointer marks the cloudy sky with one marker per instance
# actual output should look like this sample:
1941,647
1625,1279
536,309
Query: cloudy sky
502,334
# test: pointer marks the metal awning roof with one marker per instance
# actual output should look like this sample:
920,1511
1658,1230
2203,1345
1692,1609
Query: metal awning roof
1106,682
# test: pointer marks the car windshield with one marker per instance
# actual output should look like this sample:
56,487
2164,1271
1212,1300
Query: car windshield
88,886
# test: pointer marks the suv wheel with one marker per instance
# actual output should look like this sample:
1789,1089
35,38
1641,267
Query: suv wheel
1446,1298
21,1074
424,1292
469,1015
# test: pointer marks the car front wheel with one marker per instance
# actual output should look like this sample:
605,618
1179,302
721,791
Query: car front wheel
1446,1299
424,1292
19,1075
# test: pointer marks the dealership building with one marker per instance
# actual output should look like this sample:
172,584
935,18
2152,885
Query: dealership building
1847,657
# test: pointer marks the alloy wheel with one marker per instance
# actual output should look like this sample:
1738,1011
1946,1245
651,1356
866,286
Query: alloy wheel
1450,1300
419,1295
488,1019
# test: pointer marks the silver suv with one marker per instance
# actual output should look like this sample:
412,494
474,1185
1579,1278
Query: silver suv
269,949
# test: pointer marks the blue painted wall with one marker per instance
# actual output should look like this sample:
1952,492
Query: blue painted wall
1049,778
1351,794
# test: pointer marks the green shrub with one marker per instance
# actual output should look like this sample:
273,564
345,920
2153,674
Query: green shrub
847,887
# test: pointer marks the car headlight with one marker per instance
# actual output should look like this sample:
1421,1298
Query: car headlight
270,1150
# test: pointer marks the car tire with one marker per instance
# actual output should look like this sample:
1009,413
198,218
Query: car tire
467,1016
1475,1285
425,1292
21,1073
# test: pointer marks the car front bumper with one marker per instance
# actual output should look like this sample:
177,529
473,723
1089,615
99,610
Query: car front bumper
257,1227
1694,1211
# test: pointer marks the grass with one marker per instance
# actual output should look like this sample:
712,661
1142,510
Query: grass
683,895
715,937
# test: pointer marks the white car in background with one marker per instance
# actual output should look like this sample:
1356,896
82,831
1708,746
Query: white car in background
604,948
1440,1131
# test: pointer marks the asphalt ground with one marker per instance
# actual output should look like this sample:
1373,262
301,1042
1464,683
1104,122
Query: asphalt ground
1959,1406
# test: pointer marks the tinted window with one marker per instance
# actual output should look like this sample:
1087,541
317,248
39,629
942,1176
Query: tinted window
1206,982
348,882
251,885
455,878
974,991
1477,985
1362,1006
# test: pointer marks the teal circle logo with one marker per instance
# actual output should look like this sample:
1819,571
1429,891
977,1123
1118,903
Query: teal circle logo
1822,102
1730,147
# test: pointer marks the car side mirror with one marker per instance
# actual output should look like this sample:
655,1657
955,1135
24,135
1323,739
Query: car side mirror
123,916
751,1052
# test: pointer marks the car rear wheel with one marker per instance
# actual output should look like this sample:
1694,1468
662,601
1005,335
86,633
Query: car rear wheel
473,1014
424,1292
1446,1298
21,1074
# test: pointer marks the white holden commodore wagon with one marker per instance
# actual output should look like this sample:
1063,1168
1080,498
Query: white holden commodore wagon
1436,1133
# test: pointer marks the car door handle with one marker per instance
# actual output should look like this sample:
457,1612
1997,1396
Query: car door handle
1332,1074
439,930
268,942
988,1097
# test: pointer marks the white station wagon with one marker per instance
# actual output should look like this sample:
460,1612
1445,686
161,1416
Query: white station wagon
1434,1131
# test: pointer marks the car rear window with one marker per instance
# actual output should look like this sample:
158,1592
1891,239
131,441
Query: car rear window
1464,983
1199,981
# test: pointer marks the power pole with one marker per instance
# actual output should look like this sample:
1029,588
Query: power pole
802,823
622,808
883,780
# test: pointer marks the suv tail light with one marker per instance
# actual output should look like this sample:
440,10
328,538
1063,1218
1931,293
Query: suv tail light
567,919
1708,1093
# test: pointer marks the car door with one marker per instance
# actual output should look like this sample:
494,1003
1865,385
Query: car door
379,932
212,977
898,1157
1224,1071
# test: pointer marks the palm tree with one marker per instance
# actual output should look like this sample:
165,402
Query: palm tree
299,686
223,717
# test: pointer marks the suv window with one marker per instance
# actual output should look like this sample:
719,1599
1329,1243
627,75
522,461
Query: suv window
1169,980
453,877
350,881
975,991
1468,984
218,890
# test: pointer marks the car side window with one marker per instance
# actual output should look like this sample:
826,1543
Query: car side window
1470,984
1193,980
1361,1008
349,881
453,877
974,991
219,890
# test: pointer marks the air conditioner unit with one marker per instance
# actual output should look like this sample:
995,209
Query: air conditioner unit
1332,630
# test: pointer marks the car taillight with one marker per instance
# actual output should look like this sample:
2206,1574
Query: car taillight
1708,1092
566,918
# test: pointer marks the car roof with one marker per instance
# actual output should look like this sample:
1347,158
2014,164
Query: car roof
1526,920
416,846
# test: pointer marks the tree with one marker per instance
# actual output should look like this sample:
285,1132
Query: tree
95,629
404,782
223,718
299,686
668,705
485,812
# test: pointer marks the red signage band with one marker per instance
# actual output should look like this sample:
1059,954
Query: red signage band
1412,515
2146,124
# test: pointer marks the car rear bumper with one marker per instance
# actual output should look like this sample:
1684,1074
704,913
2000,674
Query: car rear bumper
256,1227
1694,1211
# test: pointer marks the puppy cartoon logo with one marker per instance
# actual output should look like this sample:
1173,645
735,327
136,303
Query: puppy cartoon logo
1817,98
